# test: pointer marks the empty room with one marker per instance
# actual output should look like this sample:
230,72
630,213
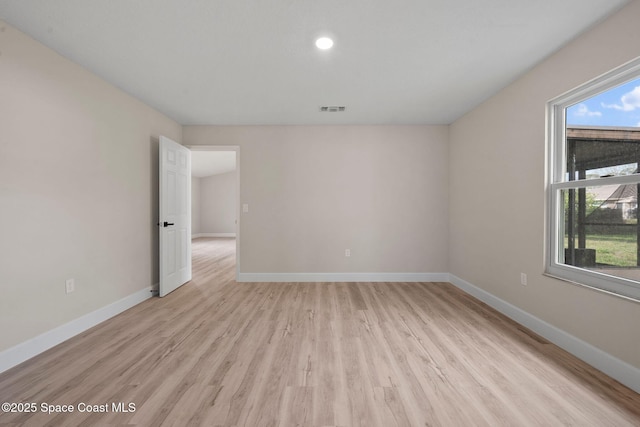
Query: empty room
319,213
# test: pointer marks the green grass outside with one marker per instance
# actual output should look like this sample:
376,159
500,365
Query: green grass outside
618,250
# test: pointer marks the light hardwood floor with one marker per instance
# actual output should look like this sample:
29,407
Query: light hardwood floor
220,353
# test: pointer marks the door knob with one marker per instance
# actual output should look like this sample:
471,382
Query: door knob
166,224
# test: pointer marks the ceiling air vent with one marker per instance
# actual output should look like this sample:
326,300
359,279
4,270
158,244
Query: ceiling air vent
332,109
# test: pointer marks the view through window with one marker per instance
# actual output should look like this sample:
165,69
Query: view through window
595,231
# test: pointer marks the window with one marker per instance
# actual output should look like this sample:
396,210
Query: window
594,180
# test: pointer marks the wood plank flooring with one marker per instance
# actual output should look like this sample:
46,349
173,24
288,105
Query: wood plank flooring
220,353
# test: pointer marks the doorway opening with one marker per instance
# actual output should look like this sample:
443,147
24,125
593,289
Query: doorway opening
215,202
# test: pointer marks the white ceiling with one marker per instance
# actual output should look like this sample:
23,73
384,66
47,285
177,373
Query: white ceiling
254,62
207,163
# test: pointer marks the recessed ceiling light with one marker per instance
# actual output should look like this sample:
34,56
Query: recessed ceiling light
324,43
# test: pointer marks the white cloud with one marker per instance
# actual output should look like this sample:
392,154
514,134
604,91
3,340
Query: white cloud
628,102
583,110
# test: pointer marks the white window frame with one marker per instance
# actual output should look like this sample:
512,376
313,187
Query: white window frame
556,182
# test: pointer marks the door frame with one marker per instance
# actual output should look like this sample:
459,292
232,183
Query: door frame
235,148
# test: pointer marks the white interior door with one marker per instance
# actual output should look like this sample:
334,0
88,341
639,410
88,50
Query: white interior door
175,215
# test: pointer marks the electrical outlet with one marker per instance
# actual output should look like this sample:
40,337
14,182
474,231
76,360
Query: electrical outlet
523,279
347,252
70,286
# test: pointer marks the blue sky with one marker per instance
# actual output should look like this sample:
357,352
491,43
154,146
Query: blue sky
619,106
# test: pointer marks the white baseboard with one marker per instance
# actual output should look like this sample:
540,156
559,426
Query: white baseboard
617,369
343,277
198,235
28,349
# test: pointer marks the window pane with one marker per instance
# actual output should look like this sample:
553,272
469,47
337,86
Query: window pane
601,229
603,134
599,153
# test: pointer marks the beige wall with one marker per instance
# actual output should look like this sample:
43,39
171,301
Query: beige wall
314,191
195,205
497,199
218,203
78,189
